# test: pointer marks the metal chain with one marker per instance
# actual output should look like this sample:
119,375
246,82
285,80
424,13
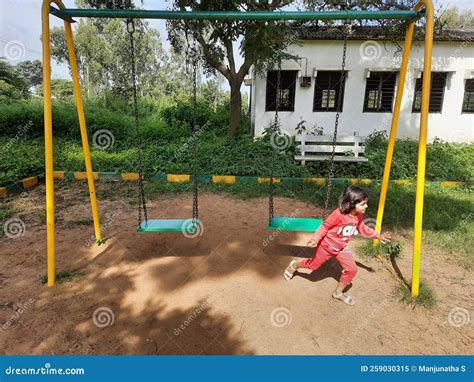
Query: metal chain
275,131
194,135
336,123
141,189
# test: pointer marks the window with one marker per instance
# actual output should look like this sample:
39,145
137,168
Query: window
468,102
438,82
379,91
326,91
287,90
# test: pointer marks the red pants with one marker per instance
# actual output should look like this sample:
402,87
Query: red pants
344,258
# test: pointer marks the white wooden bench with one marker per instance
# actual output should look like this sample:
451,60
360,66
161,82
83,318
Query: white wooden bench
321,146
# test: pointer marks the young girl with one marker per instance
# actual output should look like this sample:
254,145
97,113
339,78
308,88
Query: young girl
332,237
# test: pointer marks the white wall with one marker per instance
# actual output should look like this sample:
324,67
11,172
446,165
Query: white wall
450,125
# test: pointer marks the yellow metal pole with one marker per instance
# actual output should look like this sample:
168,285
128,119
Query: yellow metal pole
48,139
82,126
394,126
420,175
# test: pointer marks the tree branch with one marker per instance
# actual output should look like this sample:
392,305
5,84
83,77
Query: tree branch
230,55
210,59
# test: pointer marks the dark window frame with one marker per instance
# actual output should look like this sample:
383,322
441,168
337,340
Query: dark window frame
382,84
287,86
468,98
438,97
328,81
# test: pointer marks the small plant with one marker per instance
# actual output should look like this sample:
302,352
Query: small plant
63,276
6,211
426,296
371,250
300,127
388,251
317,130
394,250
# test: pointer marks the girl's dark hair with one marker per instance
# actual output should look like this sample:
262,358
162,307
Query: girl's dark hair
351,196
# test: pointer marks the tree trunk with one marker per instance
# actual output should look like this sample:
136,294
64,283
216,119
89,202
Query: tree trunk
235,108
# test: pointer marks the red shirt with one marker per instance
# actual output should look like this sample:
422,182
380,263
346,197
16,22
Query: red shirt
334,234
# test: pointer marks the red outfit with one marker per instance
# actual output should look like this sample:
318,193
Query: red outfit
332,238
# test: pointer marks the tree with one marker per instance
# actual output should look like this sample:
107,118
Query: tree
103,56
212,93
60,89
449,17
360,5
12,84
453,18
31,71
103,52
394,30
259,42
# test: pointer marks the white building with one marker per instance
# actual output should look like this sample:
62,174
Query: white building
372,67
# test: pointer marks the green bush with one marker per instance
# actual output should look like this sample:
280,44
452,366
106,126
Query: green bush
29,113
166,139
444,161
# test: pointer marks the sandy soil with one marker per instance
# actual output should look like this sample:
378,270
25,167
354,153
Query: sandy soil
219,293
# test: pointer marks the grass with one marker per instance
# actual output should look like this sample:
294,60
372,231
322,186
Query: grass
426,297
79,222
6,211
64,276
387,251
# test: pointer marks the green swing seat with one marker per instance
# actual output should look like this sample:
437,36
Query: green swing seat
169,225
282,223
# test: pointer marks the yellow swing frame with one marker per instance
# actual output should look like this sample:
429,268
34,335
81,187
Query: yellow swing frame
427,5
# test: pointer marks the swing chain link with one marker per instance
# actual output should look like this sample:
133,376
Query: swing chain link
141,189
192,58
275,131
194,146
336,123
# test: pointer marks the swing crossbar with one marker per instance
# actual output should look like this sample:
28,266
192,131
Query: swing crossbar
282,223
169,225
222,15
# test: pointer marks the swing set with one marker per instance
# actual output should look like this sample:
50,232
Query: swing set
424,8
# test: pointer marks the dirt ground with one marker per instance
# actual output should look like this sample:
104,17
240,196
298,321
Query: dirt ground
221,292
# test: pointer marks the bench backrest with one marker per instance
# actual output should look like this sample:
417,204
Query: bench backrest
322,144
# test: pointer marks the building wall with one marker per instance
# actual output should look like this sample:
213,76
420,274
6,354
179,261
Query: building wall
449,125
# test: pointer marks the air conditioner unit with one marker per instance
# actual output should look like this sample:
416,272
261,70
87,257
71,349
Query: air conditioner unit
305,81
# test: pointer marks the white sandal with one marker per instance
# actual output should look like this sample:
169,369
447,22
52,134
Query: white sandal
345,298
290,270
